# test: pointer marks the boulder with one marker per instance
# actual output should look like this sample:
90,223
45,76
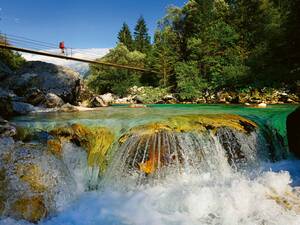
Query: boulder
170,99
108,98
32,181
21,108
97,101
293,133
48,78
35,97
68,108
138,99
53,101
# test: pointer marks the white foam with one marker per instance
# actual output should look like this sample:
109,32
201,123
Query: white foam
184,200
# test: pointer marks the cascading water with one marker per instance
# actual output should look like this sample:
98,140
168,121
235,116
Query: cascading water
152,157
184,173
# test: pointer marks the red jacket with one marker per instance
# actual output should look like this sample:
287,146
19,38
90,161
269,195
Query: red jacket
62,45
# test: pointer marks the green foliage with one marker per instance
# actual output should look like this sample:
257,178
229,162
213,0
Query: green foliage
150,95
164,55
189,83
125,37
11,59
213,45
118,81
141,36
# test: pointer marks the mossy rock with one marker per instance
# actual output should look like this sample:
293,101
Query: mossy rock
195,123
97,141
165,136
30,181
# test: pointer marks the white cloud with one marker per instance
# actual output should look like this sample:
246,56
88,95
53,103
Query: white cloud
82,68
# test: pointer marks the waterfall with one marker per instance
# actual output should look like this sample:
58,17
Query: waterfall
152,157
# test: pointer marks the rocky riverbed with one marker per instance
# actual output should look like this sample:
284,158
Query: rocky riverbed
40,86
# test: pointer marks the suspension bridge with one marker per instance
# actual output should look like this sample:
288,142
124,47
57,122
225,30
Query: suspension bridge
26,45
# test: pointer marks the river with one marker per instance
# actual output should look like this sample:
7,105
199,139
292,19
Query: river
207,191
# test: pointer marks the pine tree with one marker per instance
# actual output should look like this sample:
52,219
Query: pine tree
141,36
125,37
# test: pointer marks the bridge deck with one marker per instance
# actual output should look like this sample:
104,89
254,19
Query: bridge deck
73,58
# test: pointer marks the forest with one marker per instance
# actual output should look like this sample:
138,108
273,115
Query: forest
208,45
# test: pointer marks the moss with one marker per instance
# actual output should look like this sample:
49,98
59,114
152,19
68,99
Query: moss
194,123
96,141
31,208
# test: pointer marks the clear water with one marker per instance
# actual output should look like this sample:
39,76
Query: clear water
212,192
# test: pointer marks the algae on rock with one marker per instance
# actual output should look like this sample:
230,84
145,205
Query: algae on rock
96,141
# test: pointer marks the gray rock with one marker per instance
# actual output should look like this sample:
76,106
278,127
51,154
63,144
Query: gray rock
97,101
53,101
48,78
108,98
21,108
68,108
35,97
32,180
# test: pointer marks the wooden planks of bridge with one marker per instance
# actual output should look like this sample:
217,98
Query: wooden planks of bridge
4,46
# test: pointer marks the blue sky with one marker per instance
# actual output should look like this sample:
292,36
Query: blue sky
80,23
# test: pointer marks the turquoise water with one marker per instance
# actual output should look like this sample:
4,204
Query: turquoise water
119,118
219,195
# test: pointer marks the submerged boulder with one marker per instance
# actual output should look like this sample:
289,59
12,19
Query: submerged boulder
293,132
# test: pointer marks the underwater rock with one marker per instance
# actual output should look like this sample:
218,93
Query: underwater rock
31,181
96,141
293,133
152,146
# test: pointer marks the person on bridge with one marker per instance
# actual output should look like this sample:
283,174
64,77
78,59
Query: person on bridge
62,47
